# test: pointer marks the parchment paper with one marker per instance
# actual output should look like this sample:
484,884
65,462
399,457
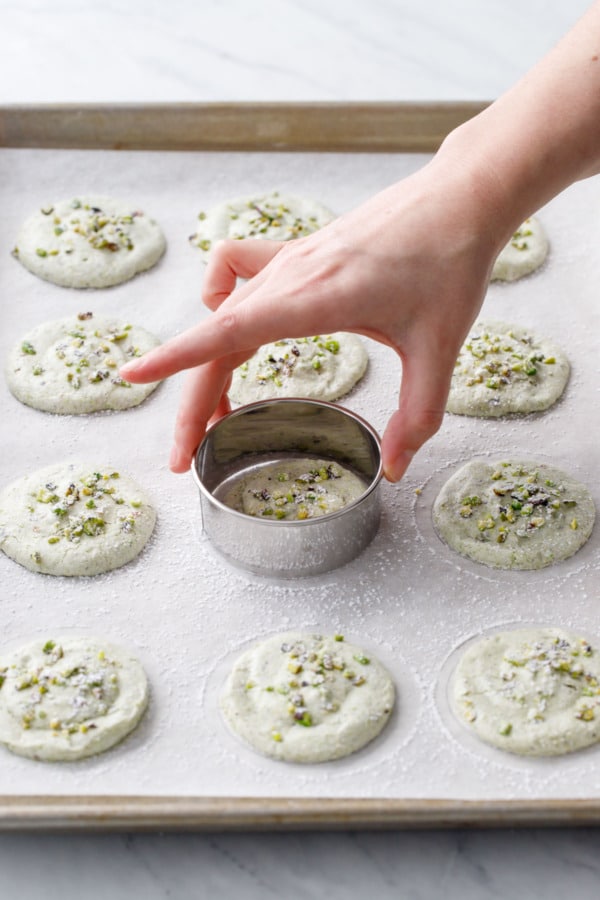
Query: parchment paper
407,599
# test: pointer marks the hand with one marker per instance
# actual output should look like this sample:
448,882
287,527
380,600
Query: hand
408,268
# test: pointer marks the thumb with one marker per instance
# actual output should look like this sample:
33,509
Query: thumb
423,395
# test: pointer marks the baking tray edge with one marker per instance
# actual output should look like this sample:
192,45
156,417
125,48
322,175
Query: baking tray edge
116,814
326,127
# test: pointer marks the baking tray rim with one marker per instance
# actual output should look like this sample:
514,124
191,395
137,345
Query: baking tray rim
172,813
378,126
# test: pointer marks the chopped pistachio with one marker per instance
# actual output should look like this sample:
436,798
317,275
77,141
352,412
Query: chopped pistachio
305,720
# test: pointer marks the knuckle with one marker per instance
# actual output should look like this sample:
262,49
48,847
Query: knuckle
220,248
228,321
426,422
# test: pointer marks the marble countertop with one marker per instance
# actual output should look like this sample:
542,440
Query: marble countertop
153,50
205,50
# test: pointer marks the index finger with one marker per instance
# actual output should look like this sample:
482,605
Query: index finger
221,335
291,297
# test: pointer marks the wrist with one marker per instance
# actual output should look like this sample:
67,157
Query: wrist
493,179
542,135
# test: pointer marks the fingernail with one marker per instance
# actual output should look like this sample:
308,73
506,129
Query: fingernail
395,469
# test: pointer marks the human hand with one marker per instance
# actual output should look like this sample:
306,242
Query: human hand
408,268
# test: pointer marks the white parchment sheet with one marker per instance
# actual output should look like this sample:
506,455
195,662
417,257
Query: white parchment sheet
407,599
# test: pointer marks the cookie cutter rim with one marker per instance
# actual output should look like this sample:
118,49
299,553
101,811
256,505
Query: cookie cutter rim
279,548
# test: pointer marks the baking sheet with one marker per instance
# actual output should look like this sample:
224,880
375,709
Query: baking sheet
407,599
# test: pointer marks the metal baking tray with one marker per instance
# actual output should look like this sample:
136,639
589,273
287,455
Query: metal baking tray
185,612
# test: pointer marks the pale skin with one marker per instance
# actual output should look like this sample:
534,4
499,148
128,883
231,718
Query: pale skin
410,267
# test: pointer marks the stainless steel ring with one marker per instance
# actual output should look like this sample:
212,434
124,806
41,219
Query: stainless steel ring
272,429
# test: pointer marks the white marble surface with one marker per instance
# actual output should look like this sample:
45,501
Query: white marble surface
143,50
77,50
470,865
